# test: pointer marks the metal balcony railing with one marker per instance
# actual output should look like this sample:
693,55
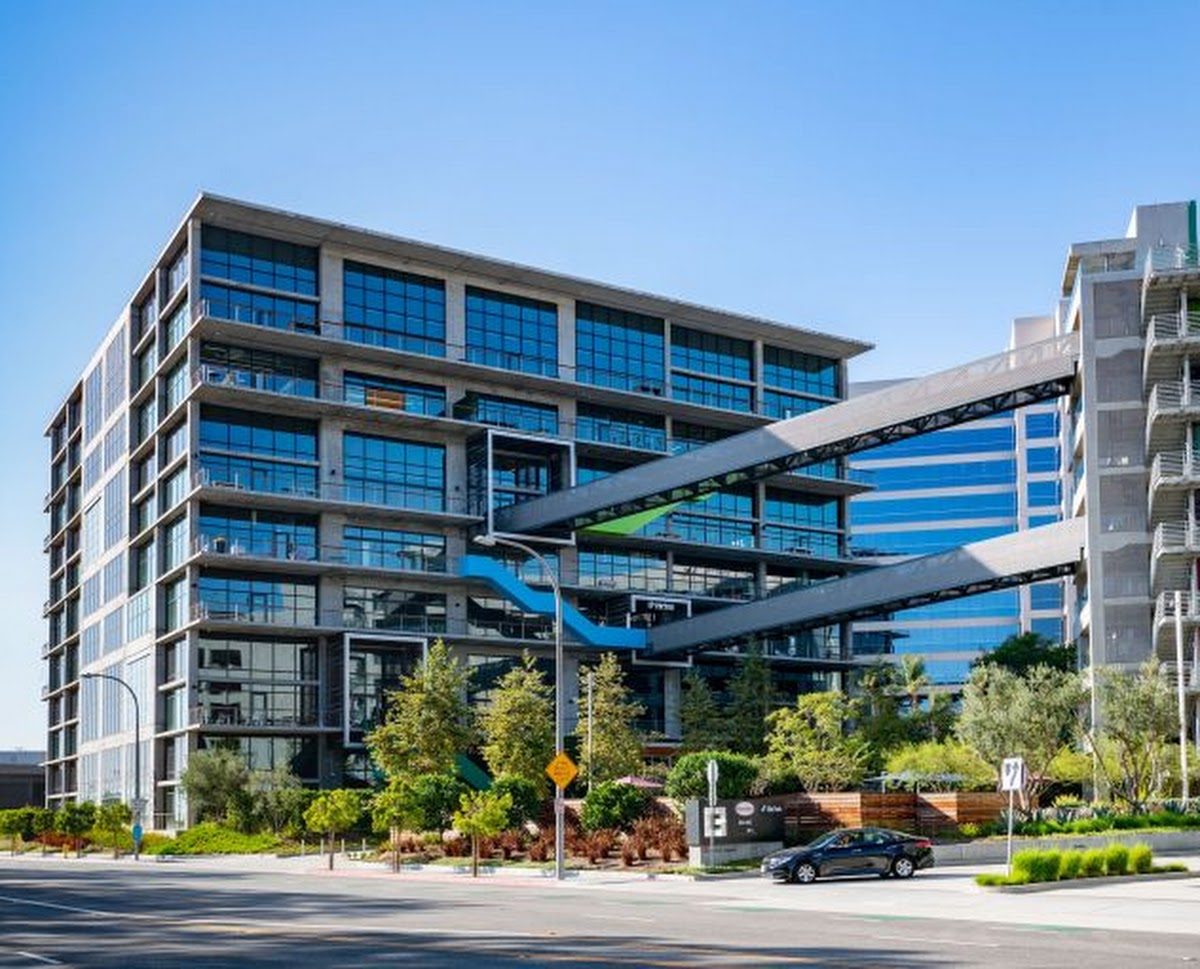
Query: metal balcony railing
1165,259
1177,537
291,551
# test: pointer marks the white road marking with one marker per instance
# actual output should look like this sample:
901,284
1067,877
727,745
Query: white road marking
46,959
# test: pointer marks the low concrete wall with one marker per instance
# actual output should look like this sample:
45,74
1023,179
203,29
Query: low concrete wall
699,857
994,850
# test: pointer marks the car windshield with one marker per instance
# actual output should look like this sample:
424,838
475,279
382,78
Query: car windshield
823,840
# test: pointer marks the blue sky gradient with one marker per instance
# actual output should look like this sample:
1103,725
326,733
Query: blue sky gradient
906,174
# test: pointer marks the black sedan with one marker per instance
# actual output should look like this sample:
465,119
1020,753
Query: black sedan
852,851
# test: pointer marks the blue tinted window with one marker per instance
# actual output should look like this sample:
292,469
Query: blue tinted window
238,597
387,308
954,639
1003,603
711,354
1050,628
256,369
269,534
687,437
615,348
804,372
923,542
506,412
782,406
947,672
1041,425
950,441
271,435
1041,459
1045,596
1003,505
258,309
1044,493
625,428
383,471
956,474
373,391
518,477
1036,521
387,548
710,393
799,509
610,569
512,332
243,258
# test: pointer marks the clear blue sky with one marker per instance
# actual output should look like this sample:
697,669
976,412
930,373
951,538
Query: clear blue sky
905,173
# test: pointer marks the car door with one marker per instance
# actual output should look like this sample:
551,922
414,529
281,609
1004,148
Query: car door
842,854
873,853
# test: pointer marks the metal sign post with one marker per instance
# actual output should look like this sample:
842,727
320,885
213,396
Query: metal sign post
1012,779
713,771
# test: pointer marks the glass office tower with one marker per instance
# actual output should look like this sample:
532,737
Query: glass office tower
265,479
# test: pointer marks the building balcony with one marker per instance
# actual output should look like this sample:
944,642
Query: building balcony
292,555
1172,405
1173,474
230,715
1175,610
1169,336
1173,555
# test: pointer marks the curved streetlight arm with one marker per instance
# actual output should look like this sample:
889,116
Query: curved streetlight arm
489,541
137,747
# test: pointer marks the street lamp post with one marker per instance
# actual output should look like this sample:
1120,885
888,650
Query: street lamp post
137,755
488,541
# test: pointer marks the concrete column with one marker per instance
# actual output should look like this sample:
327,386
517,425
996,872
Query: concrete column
672,697
566,341
456,319
329,285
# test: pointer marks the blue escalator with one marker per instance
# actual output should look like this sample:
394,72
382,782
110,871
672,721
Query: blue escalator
531,600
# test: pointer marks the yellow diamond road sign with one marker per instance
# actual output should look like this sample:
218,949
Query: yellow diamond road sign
562,770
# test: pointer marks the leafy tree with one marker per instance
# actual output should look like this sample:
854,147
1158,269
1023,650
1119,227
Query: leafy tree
688,778
1032,716
12,826
112,817
425,802
933,764
752,697
1023,652
526,797
878,722
616,747
1138,714
518,727
213,780
937,723
808,742
704,726
334,812
74,821
428,719
279,798
481,814
612,805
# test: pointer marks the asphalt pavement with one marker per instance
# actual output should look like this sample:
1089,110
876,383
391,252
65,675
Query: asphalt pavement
266,911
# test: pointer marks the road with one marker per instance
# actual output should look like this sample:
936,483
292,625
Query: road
195,913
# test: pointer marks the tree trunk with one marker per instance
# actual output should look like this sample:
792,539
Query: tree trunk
331,851
474,856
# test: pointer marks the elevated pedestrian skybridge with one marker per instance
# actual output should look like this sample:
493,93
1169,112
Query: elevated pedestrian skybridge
1047,552
994,384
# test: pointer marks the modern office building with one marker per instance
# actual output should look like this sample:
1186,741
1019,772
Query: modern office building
265,482
22,778
947,488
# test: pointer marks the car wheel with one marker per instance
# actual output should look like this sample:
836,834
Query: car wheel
903,867
805,873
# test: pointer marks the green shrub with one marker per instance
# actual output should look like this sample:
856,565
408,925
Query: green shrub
1037,866
990,879
211,838
1141,859
526,798
612,805
1072,862
969,829
1116,860
689,777
1092,864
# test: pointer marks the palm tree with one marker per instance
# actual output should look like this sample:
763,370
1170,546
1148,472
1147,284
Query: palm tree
876,682
912,681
